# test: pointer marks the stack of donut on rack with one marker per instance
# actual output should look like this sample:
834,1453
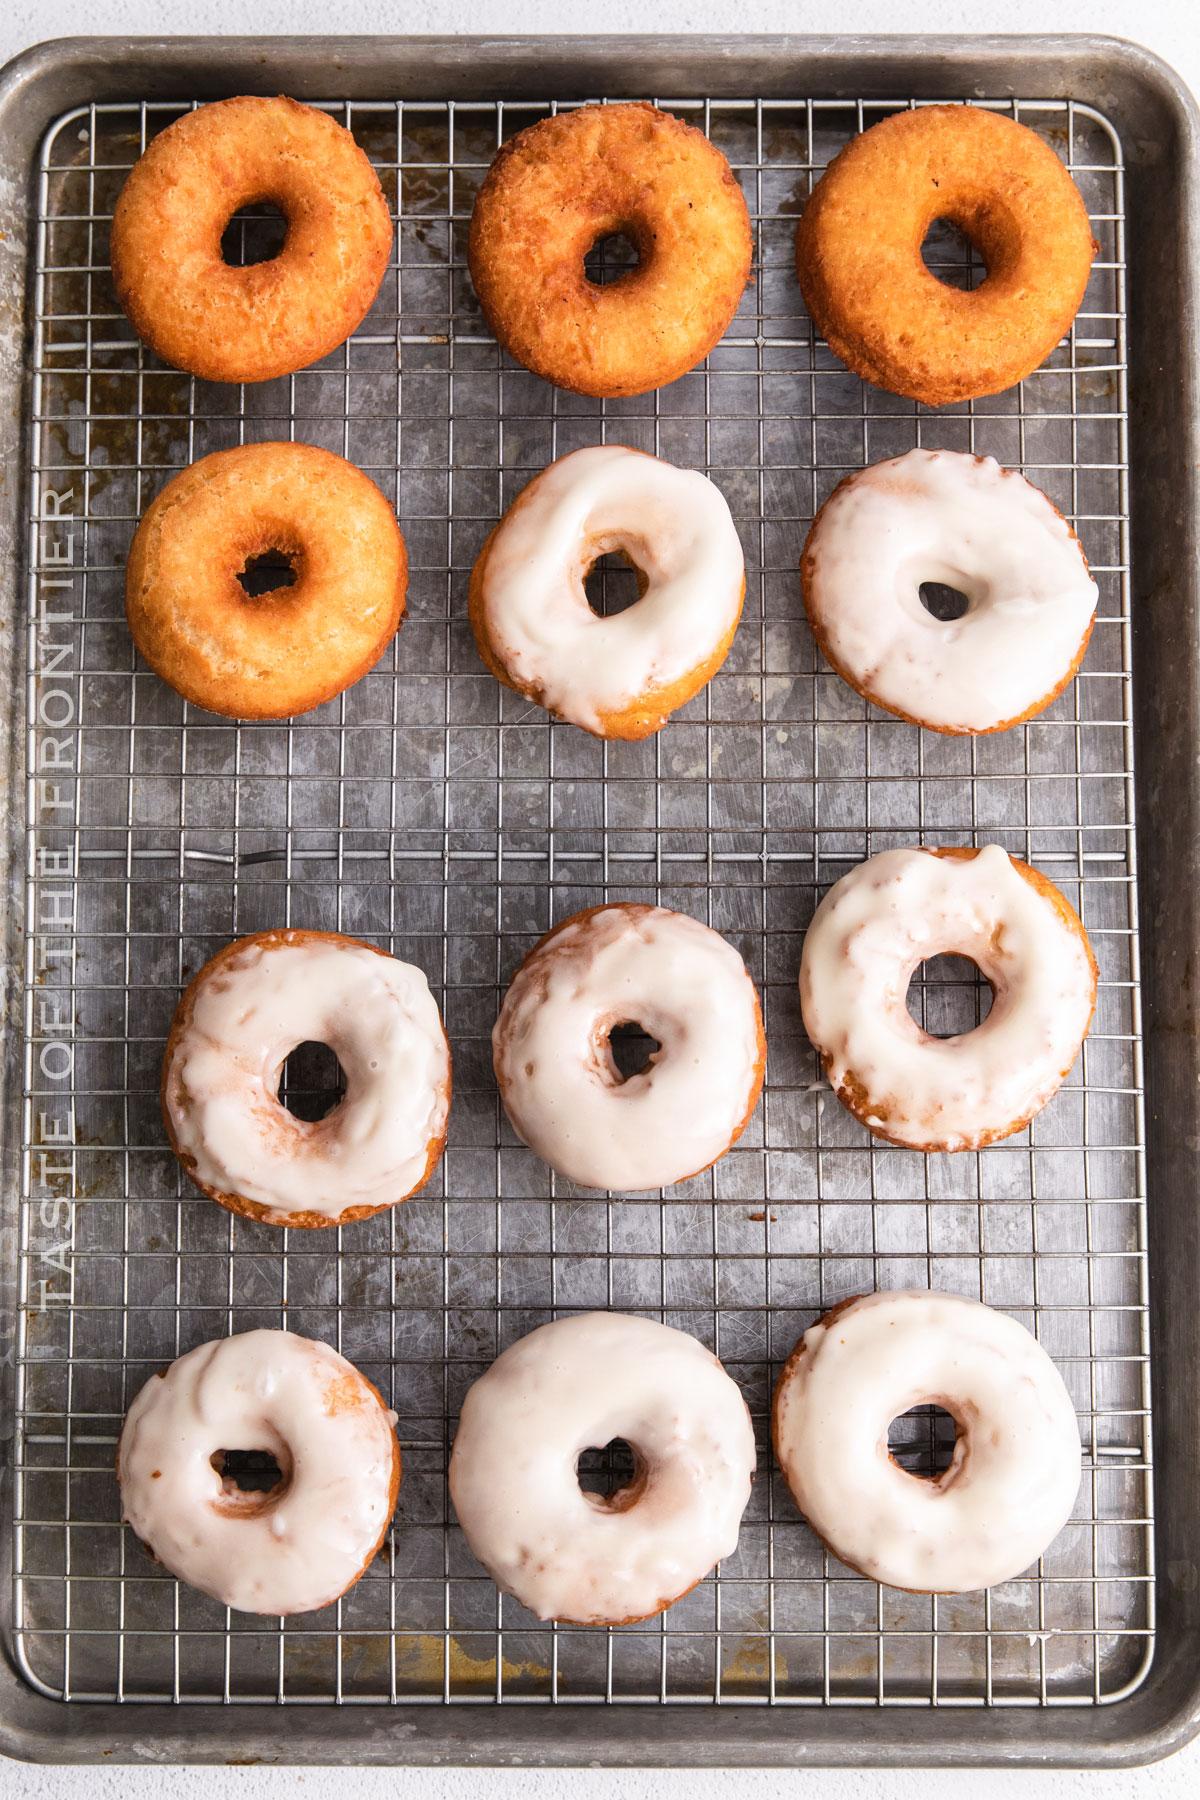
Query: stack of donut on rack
931,516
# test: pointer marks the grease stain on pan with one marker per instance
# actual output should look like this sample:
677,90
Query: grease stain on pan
421,1662
751,1664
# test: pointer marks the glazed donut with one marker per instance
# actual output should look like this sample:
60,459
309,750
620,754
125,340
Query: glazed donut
593,1559
227,324
553,192
562,1091
1014,1476
858,253
238,1022
296,647
896,910
623,676
301,1544
938,516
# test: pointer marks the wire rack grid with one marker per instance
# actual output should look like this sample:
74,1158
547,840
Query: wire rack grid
452,822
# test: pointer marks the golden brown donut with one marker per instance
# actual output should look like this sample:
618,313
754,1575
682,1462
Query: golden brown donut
227,324
858,253
553,192
293,648
258,999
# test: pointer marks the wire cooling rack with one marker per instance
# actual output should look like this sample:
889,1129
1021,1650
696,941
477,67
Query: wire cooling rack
436,814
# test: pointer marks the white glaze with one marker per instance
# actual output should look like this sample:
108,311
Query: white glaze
935,515
1015,1473
867,937
582,1382
686,987
287,1552
676,528
221,1085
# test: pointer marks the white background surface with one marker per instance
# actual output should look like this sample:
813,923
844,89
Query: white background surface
1169,27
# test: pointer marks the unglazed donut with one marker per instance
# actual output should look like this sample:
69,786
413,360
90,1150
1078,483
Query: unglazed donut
554,191
564,1096
301,1544
889,319
867,937
593,1559
296,647
227,324
238,1022
1014,1476
939,516
617,677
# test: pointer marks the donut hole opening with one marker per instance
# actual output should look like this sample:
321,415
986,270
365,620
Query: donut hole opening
267,573
610,258
951,257
312,1082
250,1471
949,996
632,1049
252,1481
944,602
255,234
612,584
922,1441
613,1478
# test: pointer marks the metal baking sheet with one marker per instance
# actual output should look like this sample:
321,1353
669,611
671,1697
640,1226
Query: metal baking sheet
450,821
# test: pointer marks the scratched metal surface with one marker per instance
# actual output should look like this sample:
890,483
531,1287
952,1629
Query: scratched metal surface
437,815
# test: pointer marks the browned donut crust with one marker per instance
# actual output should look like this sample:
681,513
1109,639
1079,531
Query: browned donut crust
247,1504
296,647
181,1025
633,909
226,324
647,712
867,1111
557,188
397,1474
807,573
828,1320
858,253
393,1485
